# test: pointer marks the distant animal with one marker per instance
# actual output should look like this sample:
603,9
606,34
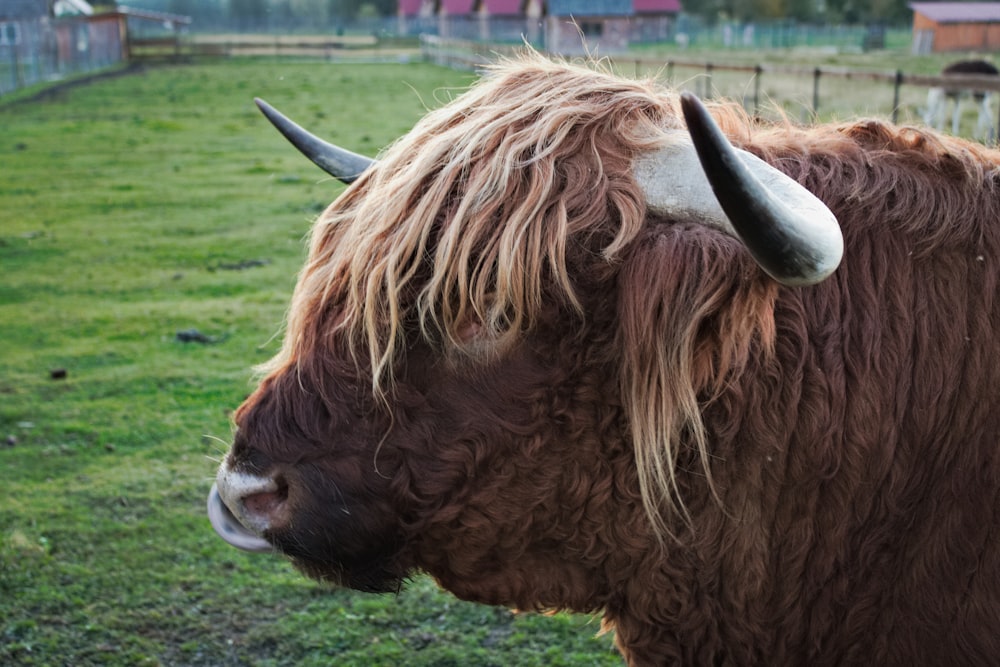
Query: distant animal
939,97
577,342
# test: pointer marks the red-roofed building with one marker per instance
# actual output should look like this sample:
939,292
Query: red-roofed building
955,26
460,14
654,20
456,7
510,20
563,26
416,16
656,6
503,7
410,7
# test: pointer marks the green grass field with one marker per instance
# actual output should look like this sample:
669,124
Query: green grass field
130,209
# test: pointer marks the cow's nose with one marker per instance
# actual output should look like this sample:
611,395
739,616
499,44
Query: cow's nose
242,507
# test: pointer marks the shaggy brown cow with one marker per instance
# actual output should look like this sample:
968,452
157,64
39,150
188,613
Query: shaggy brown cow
530,356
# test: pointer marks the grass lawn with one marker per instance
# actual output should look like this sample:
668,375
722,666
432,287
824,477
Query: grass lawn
130,209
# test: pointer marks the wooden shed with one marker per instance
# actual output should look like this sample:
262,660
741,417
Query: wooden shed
588,26
455,18
511,20
410,8
955,26
571,27
654,20
23,9
416,16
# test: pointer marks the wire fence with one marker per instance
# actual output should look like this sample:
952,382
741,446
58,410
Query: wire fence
806,94
46,49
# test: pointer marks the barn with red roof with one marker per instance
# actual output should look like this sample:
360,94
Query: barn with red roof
654,20
955,26
561,26
503,7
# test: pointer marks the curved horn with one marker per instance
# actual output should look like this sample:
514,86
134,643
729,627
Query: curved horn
790,233
340,163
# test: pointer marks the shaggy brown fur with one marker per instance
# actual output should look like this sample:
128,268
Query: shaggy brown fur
493,356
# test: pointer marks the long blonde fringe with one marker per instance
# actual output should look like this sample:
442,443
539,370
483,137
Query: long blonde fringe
467,220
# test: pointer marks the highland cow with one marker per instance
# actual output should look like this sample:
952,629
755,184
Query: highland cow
567,345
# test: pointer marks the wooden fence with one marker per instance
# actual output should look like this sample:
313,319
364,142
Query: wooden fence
887,93
41,50
329,47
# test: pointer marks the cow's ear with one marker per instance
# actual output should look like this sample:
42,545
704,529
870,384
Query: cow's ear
464,334
470,338
469,330
469,327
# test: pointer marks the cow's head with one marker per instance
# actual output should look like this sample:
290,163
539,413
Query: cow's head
477,378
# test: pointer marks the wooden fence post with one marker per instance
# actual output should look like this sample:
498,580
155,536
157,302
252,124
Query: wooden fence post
758,72
895,96
15,68
816,75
